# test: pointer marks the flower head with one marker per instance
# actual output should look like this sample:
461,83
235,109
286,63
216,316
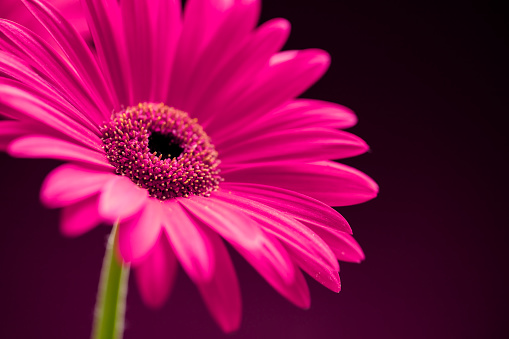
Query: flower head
185,128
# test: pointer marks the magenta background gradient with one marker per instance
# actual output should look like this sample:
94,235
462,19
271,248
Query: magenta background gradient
429,84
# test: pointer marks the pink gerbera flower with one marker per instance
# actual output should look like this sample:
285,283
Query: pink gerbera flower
184,128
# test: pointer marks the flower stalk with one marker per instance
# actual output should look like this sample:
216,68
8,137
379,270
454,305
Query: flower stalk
110,305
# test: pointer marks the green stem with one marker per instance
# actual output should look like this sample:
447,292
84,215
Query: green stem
110,304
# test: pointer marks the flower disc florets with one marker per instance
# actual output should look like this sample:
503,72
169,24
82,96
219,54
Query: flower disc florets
162,150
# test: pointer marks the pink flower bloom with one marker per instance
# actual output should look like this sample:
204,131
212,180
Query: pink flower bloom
237,158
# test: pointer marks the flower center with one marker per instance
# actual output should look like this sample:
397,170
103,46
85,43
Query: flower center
162,150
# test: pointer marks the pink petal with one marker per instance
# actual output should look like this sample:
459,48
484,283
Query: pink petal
121,198
300,144
160,20
70,183
80,217
20,102
156,273
332,183
203,19
289,73
51,64
221,293
76,50
105,23
343,245
189,242
237,72
12,129
298,113
236,26
298,206
304,246
49,147
138,234
261,250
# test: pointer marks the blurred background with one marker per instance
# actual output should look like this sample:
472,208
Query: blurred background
428,81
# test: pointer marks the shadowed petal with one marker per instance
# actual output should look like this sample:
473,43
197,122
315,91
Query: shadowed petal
156,273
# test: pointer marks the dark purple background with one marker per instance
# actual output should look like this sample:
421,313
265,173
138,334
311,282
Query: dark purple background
429,84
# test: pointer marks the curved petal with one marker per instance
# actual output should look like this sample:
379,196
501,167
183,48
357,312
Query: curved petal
105,23
80,217
305,247
51,65
222,293
332,183
20,102
203,19
233,30
138,234
151,29
301,144
343,245
298,113
263,251
156,273
49,147
68,184
237,72
121,198
13,129
298,206
287,75
77,52
189,242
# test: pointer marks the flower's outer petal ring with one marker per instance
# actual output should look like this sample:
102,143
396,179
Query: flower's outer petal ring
156,273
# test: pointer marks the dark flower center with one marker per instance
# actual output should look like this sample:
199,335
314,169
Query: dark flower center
162,150
164,144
